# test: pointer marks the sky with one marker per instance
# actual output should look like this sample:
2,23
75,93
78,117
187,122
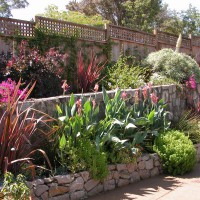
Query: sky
38,6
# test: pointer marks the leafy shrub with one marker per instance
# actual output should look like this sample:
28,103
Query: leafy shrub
31,66
174,65
15,188
159,79
125,75
177,152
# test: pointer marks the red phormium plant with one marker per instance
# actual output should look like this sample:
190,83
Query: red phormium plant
88,75
17,126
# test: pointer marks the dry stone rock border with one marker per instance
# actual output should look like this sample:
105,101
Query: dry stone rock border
81,185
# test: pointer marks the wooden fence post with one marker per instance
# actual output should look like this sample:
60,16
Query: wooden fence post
155,32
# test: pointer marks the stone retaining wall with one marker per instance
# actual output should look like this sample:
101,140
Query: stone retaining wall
177,99
81,185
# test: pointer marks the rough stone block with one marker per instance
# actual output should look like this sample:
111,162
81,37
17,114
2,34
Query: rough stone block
124,174
40,189
149,164
77,184
145,157
154,172
91,184
55,191
157,163
121,167
63,179
111,167
109,185
85,175
144,174
45,196
77,195
131,167
96,190
141,165
48,180
115,175
135,176
61,197
123,182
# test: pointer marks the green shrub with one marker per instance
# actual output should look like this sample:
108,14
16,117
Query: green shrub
159,79
125,75
15,188
177,66
176,151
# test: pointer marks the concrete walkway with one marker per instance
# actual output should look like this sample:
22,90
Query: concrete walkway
162,187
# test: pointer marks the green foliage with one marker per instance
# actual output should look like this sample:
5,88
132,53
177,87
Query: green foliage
132,13
176,151
189,123
158,79
74,16
15,188
177,66
125,75
7,5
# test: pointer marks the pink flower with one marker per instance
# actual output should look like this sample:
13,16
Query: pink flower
136,97
93,103
191,83
96,87
123,95
65,86
145,93
154,98
79,106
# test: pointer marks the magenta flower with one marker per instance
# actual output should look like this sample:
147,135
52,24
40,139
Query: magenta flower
79,106
123,95
191,83
65,86
136,97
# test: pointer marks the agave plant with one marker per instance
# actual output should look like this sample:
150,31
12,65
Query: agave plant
17,126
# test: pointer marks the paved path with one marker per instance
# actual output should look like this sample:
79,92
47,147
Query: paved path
162,187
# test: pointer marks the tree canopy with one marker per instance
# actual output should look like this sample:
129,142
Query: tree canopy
7,5
74,16
139,14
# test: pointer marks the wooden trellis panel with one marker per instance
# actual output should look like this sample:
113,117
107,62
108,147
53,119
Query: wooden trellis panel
195,41
139,37
170,39
15,27
52,26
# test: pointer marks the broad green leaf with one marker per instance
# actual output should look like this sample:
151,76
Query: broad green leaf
151,116
62,142
59,110
62,119
130,126
72,100
73,110
141,121
105,96
87,107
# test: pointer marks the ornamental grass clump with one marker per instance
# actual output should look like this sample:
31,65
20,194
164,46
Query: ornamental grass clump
176,151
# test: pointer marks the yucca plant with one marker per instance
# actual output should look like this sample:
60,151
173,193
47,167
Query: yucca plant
17,126
88,75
